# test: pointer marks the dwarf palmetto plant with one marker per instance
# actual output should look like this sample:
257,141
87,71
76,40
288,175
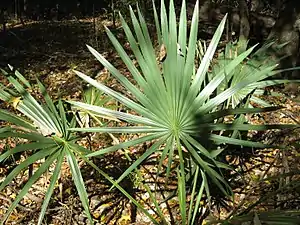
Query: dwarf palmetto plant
175,109
49,141
255,66
171,105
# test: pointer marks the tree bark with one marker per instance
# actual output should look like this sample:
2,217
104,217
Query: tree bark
2,20
244,21
16,9
143,7
25,6
113,13
286,30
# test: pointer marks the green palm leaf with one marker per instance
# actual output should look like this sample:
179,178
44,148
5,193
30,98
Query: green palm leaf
46,128
170,102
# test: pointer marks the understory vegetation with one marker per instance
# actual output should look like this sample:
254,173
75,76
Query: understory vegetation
170,130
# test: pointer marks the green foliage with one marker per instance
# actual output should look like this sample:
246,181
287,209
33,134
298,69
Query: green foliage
93,96
174,104
49,140
178,105
279,217
258,70
46,128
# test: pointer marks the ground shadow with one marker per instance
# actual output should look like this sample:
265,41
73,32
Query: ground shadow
50,50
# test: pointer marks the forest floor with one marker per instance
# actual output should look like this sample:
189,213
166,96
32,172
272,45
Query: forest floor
49,51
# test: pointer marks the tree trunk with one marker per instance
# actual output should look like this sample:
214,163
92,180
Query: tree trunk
286,30
2,19
25,6
244,21
16,9
143,7
205,10
256,5
113,13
